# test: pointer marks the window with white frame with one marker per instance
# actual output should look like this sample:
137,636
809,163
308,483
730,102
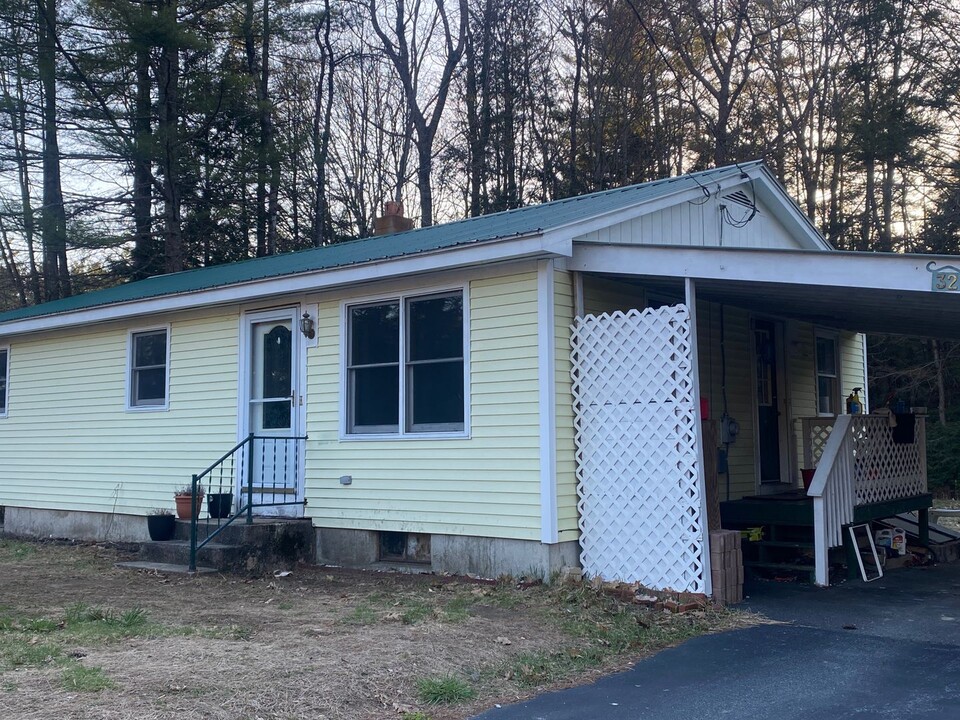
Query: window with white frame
405,365
4,376
828,375
148,369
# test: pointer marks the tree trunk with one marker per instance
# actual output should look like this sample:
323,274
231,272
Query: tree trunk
322,121
146,253
18,121
53,220
168,78
424,170
941,385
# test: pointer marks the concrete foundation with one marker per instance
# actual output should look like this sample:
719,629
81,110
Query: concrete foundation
482,556
347,547
493,557
74,525
460,555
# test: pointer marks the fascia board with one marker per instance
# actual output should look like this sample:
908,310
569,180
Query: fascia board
530,245
880,271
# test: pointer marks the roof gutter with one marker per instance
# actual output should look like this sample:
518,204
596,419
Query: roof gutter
504,249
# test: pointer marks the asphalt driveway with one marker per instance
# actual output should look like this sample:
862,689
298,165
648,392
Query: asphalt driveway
887,649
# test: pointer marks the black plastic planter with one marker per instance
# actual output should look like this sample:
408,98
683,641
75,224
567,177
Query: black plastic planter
219,505
161,527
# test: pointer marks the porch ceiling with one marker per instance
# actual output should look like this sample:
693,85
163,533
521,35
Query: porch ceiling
863,292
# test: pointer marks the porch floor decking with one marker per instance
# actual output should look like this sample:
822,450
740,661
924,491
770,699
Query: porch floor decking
788,521
796,508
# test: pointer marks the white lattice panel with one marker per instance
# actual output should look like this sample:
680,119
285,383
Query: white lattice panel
886,470
637,473
883,469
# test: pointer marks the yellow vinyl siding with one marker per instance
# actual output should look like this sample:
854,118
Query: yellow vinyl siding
69,443
852,372
486,484
567,516
737,344
802,382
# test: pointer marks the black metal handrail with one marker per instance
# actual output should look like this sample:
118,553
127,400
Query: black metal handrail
242,458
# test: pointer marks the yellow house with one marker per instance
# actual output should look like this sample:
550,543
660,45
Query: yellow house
426,395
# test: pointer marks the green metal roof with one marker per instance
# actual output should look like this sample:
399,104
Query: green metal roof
511,223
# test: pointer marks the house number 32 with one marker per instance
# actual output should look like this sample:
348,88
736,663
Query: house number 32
945,279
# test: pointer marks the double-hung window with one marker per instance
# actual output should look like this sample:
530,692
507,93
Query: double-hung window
148,369
828,375
405,365
4,375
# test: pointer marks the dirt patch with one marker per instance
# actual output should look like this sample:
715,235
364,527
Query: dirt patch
80,638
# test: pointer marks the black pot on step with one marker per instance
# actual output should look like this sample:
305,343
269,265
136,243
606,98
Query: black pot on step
161,527
220,505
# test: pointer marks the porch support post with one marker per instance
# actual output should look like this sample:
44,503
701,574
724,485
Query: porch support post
820,542
690,292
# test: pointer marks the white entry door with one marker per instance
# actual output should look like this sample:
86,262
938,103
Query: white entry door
273,413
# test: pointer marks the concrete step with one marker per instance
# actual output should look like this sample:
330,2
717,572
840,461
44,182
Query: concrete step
237,532
223,557
166,568
268,544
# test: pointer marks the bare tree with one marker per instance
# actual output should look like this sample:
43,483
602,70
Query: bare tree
411,46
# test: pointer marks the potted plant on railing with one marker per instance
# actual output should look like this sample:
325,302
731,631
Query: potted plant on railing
182,498
161,524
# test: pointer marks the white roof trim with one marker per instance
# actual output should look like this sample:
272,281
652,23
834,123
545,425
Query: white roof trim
533,245
879,271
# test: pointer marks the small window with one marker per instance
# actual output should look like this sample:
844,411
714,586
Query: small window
4,367
405,365
148,369
828,376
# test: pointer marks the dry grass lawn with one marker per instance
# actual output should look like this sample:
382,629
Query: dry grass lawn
82,639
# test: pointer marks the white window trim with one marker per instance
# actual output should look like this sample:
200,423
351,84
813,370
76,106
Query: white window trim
128,384
402,296
5,410
838,399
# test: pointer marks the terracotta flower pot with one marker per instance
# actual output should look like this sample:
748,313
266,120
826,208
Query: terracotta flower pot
184,511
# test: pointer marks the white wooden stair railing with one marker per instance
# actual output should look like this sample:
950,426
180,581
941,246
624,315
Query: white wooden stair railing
833,490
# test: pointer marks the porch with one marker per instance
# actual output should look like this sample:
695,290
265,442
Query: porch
868,467
742,330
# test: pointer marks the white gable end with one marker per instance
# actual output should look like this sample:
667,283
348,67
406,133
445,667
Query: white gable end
725,220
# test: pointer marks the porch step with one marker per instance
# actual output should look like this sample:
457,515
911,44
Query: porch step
166,568
223,557
810,570
781,544
267,545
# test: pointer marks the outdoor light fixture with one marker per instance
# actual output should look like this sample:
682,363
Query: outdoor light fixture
306,326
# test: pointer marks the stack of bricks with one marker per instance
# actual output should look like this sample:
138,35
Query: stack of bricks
726,566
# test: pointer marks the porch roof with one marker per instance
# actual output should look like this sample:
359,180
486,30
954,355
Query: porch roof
864,292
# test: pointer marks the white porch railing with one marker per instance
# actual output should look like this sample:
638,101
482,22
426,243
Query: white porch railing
858,461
